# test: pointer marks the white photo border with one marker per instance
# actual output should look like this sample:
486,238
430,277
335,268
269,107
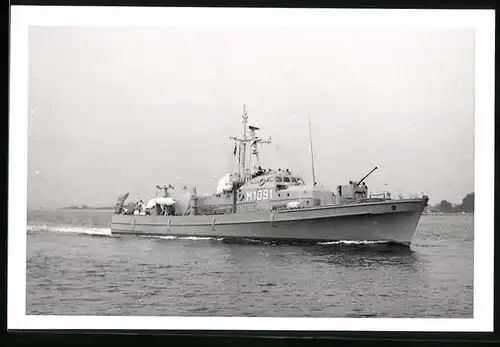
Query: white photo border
482,21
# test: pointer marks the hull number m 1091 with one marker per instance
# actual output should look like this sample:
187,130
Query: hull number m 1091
259,195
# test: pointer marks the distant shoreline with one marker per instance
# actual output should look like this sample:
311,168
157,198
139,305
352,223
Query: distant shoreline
448,214
85,209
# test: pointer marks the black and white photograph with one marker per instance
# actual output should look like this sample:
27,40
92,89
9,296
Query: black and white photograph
252,163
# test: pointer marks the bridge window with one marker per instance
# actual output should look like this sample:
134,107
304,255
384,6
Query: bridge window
278,179
293,180
286,179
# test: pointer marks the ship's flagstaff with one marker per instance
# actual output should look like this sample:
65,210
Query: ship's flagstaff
311,145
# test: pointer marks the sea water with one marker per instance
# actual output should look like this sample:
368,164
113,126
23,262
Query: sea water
76,267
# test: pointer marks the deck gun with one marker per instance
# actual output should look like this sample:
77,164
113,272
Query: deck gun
368,174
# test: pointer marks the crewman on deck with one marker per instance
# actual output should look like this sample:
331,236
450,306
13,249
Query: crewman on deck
139,207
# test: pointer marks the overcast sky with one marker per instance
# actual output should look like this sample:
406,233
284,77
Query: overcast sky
116,110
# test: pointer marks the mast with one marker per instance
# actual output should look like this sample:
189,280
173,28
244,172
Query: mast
244,143
312,154
252,141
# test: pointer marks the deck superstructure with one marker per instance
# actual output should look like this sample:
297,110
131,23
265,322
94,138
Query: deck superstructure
267,204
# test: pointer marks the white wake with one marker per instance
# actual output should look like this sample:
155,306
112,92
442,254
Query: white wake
351,242
107,232
70,229
169,237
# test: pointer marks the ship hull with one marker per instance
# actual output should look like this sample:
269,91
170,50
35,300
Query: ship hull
388,221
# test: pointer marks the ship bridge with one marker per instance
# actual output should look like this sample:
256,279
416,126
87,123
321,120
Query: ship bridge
284,179
273,189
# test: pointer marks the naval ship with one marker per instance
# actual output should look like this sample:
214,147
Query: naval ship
272,205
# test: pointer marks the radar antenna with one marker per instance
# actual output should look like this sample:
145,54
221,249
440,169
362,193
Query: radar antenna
255,141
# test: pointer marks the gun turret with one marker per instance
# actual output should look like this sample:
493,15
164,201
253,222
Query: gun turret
368,174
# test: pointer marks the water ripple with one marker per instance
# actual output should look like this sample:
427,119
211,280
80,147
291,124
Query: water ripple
71,271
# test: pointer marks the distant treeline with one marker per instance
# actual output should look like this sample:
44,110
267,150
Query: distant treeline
85,207
444,206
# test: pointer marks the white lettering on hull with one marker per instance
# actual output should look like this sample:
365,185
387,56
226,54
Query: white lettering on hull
260,195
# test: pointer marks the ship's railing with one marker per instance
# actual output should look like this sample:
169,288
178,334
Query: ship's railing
375,197
248,208
382,196
227,209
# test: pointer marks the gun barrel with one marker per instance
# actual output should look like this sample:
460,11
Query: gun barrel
368,174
